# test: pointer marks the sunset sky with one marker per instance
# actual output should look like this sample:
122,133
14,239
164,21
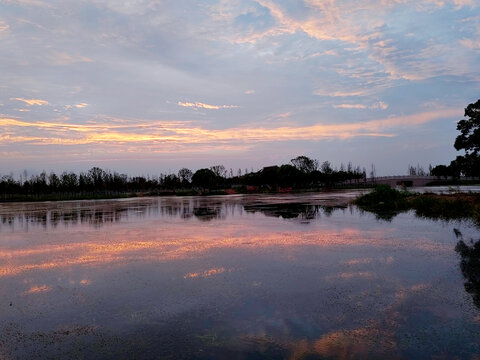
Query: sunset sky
144,86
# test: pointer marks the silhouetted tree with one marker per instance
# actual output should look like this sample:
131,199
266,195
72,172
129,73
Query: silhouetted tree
185,175
305,164
219,170
326,168
440,171
469,141
205,178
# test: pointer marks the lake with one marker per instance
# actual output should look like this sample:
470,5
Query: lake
240,277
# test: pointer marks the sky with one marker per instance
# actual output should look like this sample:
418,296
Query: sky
151,86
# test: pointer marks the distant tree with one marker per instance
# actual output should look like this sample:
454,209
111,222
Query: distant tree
185,175
326,168
289,175
440,171
420,170
53,182
69,181
171,181
96,176
373,172
219,170
412,171
305,164
205,178
349,167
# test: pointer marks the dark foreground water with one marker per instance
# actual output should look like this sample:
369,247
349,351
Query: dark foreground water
233,277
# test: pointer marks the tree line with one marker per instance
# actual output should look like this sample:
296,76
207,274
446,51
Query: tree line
301,173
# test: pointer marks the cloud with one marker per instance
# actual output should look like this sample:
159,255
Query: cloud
81,105
3,26
158,134
34,2
350,106
471,44
199,105
379,105
322,92
207,273
461,3
67,59
31,102
249,92
38,289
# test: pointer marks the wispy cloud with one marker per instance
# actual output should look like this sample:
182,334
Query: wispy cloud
379,105
38,289
322,92
81,105
199,105
31,102
350,106
3,26
67,59
153,134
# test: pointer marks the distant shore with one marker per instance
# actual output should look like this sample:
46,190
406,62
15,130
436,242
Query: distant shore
367,203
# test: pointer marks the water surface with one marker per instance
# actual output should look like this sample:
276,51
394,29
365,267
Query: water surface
243,277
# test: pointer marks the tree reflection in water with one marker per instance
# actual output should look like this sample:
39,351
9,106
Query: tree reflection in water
293,210
470,266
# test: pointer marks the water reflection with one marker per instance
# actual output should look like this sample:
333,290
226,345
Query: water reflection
98,213
23,216
470,266
294,210
232,277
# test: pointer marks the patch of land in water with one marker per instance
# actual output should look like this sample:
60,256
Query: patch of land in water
386,202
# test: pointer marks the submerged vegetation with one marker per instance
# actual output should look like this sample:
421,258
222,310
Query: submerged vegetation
386,202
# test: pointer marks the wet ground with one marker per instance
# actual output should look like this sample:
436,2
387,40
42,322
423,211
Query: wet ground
240,277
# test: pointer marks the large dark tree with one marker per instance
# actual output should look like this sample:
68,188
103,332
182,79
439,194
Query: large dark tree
469,141
205,178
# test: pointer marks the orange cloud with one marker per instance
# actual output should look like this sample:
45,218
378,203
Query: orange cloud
206,273
157,133
31,102
3,26
38,289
